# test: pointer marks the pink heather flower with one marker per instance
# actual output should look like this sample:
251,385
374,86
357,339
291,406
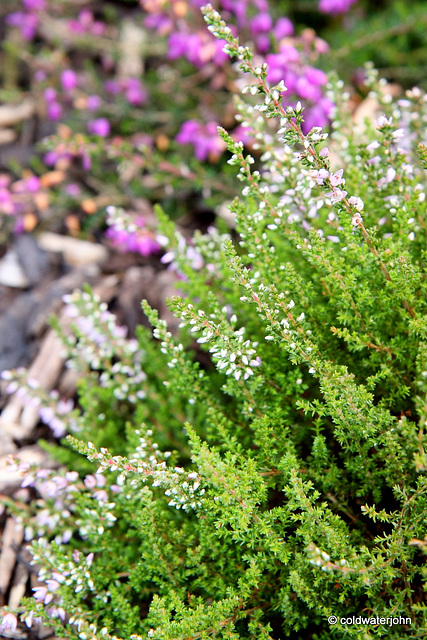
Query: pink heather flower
316,76
335,6
32,184
41,595
204,138
73,190
52,585
307,90
261,23
26,22
90,482
40,75
112,86
140,241
9,622
93,103
34,5
162,24
99,127
263,43
322,174
337,179
97,28
49,95
54,111
337,195
135,93
283,28
68,80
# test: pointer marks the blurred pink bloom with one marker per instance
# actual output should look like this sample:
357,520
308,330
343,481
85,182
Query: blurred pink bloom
34,5
335,6
54,111
68,80
99,127
93,103
203,137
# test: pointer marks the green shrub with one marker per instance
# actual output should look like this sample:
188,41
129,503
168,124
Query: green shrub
280,482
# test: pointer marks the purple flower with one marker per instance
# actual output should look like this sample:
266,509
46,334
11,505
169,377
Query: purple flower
41,595
112,86
32,184
49,95
135,93
307,90
73,190
34,5
316,76
27,23
204,138
99,127
335,6
93,103
261,23
68,80
283,28
54,111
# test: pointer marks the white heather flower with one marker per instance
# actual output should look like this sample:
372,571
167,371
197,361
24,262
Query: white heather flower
373,145
357,203
356,220
321,175
384,122
9,623
391,174
399,133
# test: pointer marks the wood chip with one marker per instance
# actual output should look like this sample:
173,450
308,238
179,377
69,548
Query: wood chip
19,586
19,420
10,114
77,253
13,536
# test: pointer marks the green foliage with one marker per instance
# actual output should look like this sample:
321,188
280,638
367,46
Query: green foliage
284,481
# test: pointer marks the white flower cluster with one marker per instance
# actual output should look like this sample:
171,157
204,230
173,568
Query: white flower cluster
183,488
323,560
97,339
235,361
233,355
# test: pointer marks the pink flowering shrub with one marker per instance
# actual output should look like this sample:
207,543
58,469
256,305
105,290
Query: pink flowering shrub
263,472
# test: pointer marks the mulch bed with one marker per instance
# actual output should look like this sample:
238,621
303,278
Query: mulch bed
26,340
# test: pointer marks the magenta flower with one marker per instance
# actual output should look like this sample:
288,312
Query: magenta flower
283,28
135,93
49,95
68,80
261,23
34,5
99,127
54,111
335,6
26,22
203,137
93,103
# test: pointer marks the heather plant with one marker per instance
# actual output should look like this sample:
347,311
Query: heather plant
117,137
262,473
